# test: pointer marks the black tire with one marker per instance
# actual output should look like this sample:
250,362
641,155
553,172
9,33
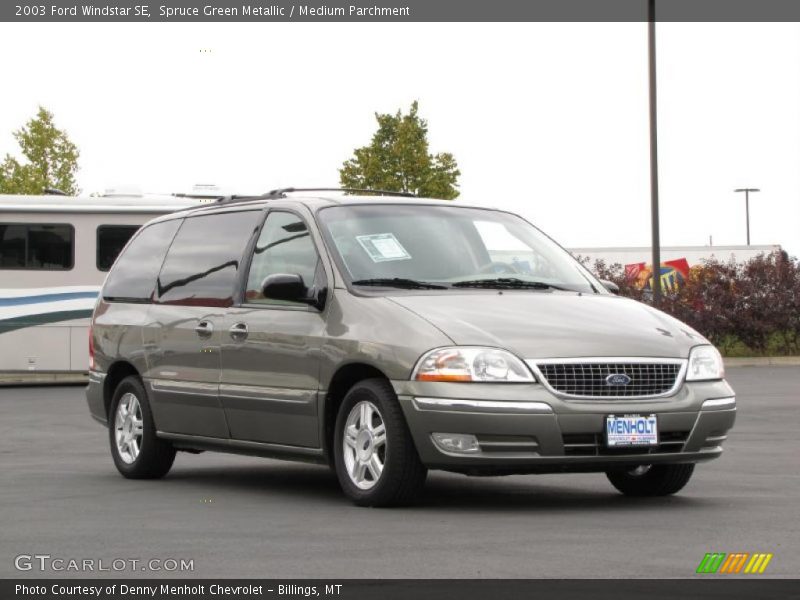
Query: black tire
403,476
659,480
155,456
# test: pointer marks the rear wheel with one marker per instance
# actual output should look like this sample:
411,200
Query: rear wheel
651,480
137,452
376,461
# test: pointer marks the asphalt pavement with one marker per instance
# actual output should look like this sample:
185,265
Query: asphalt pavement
237,516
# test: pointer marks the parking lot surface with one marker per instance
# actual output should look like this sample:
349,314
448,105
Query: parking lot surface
248,517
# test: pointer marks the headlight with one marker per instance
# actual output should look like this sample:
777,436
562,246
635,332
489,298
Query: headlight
705,362
470,364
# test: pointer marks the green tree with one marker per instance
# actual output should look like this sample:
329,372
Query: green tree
398,160
51,159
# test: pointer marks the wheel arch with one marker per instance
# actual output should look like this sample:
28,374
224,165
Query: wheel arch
345,377
115,374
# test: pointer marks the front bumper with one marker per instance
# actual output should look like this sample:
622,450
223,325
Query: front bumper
523,428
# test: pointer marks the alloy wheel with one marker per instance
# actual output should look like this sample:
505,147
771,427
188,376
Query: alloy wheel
128,428
364,445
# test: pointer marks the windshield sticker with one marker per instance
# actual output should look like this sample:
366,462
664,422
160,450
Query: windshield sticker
382,247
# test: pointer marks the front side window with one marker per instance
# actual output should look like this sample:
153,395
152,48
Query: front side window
203,261
284,246
448,246
111,239
133,277
37,247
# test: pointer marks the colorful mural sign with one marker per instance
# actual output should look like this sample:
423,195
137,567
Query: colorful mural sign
674,274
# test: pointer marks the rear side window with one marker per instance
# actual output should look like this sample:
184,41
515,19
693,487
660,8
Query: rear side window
134,276
111,239
37,247
203,261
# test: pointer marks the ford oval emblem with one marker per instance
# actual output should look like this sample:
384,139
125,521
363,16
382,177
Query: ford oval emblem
618,379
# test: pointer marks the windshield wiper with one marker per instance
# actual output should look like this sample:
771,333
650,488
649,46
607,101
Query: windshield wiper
399,282
509,283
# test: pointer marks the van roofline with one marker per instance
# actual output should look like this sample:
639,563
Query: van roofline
316,202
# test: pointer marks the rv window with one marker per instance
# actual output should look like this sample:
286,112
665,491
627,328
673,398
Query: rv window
203,261
111,239
133,277
34,246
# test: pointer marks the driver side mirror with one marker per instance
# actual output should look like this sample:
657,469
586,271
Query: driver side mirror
610,286
290,287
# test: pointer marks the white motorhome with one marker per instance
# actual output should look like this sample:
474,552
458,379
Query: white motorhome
55,252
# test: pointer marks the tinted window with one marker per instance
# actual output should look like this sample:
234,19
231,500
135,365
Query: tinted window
202,262
134,276
36,247
284,246
111,239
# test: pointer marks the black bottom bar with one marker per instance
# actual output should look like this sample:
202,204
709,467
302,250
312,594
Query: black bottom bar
416,589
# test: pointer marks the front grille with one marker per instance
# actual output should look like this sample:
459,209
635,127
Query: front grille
594,444
588,379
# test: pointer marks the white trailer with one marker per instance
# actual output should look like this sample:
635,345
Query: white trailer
55,252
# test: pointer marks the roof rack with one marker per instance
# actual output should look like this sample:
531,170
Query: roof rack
284,191
237,198
281,193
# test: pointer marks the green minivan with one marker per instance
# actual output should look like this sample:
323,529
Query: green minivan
386,336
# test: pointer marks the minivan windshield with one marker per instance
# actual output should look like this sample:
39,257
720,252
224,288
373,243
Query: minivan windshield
429,247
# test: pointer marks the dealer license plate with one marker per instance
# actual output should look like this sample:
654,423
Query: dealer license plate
631,430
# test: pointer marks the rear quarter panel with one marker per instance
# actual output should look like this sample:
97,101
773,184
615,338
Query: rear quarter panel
118,335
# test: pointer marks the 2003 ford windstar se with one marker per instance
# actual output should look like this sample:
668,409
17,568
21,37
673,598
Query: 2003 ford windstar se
387,336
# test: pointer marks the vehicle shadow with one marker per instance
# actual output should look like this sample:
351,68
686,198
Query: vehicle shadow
534,493
301,480
443,491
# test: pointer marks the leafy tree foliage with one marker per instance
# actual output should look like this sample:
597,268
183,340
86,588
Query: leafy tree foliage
398,160
51,159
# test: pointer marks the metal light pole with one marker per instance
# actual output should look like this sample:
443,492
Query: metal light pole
747,206
656,236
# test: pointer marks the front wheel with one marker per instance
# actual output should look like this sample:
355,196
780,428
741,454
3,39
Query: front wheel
137,452
651,480
376,461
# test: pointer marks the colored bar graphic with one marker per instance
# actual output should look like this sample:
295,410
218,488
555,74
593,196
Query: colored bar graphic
704,563
758,564
733,561
765,563
722,563
741,562
711,562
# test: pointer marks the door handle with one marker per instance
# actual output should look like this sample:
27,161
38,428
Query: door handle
204,328
238,331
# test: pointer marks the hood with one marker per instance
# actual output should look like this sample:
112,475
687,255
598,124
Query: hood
554,324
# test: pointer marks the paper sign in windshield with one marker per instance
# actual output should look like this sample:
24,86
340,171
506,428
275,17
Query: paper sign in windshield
382,247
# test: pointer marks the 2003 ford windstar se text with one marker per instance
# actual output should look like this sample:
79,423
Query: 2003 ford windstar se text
387,336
